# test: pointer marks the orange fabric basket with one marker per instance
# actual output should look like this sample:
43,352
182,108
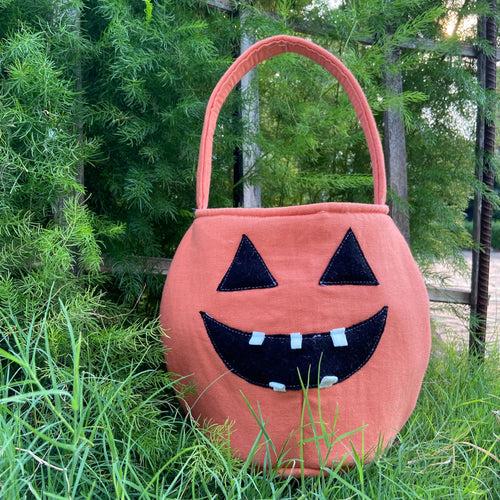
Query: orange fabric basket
315,316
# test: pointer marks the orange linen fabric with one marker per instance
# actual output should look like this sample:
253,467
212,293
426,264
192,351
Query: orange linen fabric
296,244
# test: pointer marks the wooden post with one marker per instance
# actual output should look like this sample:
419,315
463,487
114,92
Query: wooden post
251,192
477,340
479,155
69,12
395,149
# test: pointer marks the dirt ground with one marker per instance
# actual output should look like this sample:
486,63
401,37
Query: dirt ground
451,322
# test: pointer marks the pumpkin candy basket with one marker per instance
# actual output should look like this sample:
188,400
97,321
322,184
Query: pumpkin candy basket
316,316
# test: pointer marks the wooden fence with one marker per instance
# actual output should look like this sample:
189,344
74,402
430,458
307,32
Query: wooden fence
396,164
395,154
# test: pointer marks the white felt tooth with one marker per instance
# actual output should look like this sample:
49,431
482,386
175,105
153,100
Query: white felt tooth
296,340
257,338
328,381
276,386
338,337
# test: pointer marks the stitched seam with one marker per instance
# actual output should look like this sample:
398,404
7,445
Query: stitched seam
383,210
246,288
348,283
298,386
364,264
375,345
228,365
312,50
305,336
221,287
365,117
347,84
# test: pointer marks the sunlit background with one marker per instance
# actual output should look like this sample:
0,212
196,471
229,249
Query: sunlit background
454,25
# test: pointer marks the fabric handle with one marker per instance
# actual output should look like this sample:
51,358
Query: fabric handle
266,49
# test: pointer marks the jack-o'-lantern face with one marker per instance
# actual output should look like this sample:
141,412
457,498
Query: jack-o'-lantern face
261,304
291,361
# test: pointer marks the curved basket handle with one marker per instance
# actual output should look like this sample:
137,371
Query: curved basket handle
265,49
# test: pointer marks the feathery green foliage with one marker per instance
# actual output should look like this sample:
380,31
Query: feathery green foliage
147,85
45,232
150,82
145,73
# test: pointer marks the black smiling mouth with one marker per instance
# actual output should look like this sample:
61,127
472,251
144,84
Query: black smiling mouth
291,361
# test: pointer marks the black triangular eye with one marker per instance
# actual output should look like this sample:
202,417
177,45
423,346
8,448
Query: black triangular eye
348,266
247,271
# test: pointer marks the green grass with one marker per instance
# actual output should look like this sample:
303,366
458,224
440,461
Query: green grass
89,424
